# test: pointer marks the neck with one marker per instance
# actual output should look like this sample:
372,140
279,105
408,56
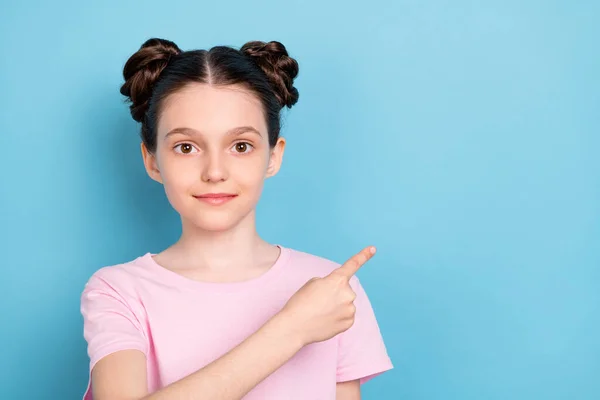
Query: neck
220,250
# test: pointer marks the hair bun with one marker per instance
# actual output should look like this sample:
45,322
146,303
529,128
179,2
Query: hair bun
280,68
142,70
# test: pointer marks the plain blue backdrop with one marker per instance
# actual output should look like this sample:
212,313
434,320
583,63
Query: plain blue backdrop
459,137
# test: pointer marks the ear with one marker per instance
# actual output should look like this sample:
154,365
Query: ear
276,157
151,164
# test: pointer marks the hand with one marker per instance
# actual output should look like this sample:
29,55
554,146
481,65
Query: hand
324,307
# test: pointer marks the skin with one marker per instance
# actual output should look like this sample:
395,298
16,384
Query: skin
212,156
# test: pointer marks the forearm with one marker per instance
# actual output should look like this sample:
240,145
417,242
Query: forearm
348,390
237,372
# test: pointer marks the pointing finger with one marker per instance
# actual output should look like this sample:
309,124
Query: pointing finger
350,267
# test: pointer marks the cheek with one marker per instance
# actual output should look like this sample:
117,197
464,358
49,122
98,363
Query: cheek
251,172
178,178
179,174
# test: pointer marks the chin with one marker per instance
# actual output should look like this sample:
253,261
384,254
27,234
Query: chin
215,225
215,222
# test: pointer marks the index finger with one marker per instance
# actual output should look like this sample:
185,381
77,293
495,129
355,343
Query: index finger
351,267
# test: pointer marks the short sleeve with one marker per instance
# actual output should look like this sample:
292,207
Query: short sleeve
362,353
110,323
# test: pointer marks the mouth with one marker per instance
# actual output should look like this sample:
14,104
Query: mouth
216,199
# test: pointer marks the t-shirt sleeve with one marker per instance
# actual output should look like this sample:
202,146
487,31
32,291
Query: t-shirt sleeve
110,322
362,353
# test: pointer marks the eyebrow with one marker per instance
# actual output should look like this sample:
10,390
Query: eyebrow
193,132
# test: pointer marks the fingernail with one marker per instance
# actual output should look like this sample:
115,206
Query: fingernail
372,250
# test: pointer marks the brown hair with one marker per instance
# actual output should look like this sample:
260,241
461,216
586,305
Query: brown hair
159,68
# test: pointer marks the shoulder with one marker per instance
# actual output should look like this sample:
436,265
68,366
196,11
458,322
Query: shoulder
313,262
119,278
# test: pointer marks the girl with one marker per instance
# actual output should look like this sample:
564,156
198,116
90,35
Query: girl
222,314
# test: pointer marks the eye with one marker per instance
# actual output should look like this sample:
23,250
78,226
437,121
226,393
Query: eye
185,148
243,147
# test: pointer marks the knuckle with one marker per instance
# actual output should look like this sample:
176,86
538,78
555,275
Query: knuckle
361,258
349,294
336,275
353,309
340,279
354,262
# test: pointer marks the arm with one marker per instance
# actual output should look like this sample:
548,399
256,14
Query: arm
348,390
318,311
122,375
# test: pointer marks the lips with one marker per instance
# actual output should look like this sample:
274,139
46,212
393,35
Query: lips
216,198
215,195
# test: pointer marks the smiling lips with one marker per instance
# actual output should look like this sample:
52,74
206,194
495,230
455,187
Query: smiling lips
216,199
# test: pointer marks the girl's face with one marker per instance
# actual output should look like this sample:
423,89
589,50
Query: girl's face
213,141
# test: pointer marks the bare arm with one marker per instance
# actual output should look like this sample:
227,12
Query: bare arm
348,390
122,375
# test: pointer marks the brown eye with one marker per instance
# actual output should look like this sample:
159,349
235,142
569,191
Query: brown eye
184,148
243,147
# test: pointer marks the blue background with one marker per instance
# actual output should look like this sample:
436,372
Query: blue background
460,137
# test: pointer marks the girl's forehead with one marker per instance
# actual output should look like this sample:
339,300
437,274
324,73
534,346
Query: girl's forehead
211,109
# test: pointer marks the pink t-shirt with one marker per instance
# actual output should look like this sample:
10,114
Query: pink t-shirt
182,325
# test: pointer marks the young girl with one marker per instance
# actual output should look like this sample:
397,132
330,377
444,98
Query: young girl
222,314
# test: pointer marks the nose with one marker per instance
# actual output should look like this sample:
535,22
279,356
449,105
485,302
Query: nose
214,168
